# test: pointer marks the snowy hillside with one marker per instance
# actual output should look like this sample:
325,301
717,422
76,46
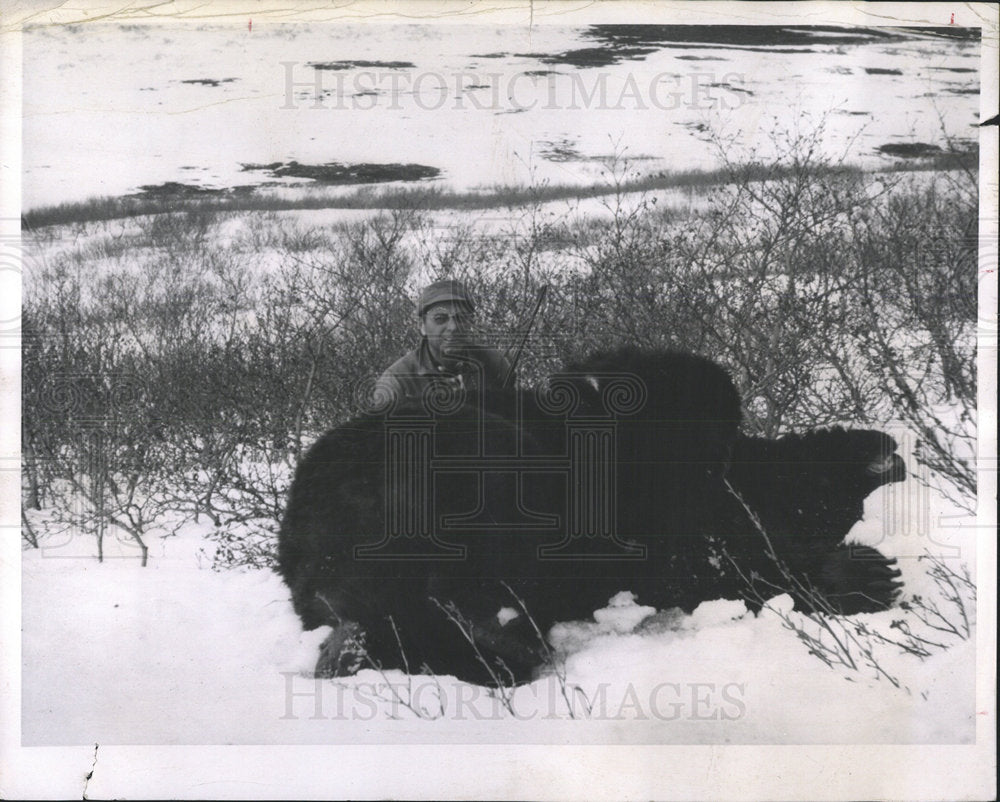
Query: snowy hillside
543,104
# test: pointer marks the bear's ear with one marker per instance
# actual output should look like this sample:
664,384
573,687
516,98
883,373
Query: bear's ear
885,469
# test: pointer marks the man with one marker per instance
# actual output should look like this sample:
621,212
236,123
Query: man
448,355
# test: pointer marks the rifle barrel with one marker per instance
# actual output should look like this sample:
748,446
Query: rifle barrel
524,336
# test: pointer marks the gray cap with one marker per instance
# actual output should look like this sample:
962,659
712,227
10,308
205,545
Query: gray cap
443,291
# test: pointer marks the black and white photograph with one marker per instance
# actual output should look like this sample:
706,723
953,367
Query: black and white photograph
515,400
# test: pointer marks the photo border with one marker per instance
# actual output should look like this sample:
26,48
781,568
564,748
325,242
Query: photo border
497,771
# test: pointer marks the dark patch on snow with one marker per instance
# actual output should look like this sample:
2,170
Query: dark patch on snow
768,36
882,71
335,173
209,81
597,56
949,32
618,43
909,150
348,65
563,150
174,190
731,88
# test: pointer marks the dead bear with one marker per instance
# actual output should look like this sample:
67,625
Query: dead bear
808,492
450,535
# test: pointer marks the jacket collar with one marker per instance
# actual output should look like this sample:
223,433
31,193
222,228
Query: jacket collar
426,364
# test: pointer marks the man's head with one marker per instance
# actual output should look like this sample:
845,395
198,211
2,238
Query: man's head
445,309
443,291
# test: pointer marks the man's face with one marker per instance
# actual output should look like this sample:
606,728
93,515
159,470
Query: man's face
447,327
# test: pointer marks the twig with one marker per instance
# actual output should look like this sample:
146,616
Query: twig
504,685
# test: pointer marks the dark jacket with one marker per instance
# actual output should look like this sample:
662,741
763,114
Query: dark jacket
409,377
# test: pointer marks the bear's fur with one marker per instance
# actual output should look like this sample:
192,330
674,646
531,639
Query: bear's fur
682,473
808,492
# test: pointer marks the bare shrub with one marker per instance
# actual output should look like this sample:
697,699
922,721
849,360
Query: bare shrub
831,295
851,643
916,292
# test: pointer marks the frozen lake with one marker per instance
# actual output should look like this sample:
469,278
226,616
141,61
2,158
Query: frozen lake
111,108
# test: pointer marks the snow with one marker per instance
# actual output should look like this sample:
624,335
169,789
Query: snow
110,92
176,653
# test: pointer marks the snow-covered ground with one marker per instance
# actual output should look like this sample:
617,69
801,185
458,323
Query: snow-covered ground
175,653
109,108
